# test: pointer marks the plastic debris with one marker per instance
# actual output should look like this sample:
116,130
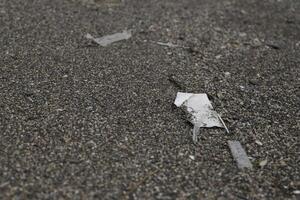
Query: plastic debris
224,125
4,184
263,163
218,56
168,44
108,39
192,157
239,155
97,3
227,74
258,142
296,192
203,115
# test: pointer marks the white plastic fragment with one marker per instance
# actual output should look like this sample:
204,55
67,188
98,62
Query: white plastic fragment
263,163
196,131
218,56
167,44
199,106
108,39
192,157
2,185
224,125
98,3
239,155
258,142
296,192
227,74
201,109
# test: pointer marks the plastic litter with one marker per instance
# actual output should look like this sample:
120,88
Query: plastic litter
192,157
97,3
296,192
239,155
109,39
168,44
203,115
258,142
263,163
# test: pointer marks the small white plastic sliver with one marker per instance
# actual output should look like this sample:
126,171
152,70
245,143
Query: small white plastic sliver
168,44
108,39
239,155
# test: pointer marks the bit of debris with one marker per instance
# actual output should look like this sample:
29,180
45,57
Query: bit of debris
263,163
296,192
218,56
227,74
108,39
258,142
199,106
168,44
256,42
239,155
192,157
282,163
99,3
196,131
242,34
2,185
223,123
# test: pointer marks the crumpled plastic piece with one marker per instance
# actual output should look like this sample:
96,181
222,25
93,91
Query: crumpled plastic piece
199,106
239,155
109,39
